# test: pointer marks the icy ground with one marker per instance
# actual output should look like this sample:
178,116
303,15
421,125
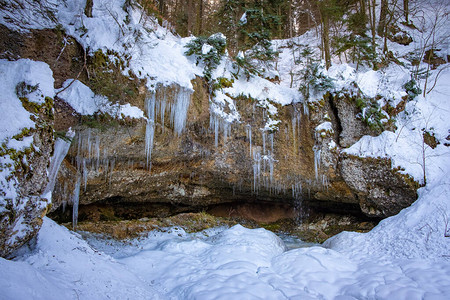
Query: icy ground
229,263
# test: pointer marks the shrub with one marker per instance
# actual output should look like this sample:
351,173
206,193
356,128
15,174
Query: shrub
208,50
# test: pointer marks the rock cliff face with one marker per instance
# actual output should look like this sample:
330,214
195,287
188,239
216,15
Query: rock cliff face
200,167
21,218
187,159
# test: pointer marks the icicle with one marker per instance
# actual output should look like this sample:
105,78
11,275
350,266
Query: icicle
105,168
85,174
256,170
97,153
215,125
249,137
298,201
75,202
271,142
79,150
61,148
226,130
113,162
325,182
178,113
163,110
149,140
271,160
264,142
89,146
305,108
150,129
316,150
294,125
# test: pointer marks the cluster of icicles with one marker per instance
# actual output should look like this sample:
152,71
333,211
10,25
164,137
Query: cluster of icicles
156,106
175,102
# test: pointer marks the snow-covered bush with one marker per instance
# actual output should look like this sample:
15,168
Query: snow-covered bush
209,51
371,113
312,76
412,88
243,66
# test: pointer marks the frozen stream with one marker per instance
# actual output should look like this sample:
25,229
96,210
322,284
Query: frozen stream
158,238
241,263
219,263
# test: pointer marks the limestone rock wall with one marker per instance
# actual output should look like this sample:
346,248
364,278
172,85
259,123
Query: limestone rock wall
299,164
210,162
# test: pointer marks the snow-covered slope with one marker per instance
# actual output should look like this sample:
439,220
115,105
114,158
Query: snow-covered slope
154,52
215,264
63,266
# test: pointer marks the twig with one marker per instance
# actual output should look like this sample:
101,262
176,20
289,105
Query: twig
436,78
62,50
78,75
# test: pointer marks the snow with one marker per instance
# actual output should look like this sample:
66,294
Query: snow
63,266
367,83
406,256
219,263
155,53
324,128
134,112
206,48
243,18
16,118
262,89
406,146
85,102
81,98
11,74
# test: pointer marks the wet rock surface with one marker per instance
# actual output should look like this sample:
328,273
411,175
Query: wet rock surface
208,162
299,164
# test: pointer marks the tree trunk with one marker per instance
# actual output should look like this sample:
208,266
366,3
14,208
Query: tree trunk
189,17
161,7
88,8
200,18
326,40
406,10
363,8
372,21
291,34
383,14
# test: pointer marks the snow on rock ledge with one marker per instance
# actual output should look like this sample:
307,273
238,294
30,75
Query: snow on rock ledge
85,102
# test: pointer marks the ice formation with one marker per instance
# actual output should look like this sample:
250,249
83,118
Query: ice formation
75,201
60,151
316,150
159,102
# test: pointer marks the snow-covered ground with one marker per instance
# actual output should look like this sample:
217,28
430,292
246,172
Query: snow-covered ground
233,263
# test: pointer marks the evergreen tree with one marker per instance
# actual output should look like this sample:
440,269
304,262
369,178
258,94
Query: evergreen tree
312,77
256,25
330,12
228,16
357,43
